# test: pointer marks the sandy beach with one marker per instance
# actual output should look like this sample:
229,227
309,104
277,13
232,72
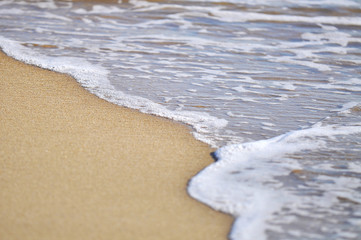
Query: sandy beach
74,166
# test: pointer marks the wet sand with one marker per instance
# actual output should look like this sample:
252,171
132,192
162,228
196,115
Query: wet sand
73,166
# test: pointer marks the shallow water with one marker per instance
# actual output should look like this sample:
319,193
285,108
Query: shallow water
275,85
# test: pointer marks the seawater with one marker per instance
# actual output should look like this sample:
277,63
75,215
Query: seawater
274,85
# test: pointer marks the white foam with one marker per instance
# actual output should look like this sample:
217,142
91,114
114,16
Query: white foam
307,63
47,5
13,11
331,37
285,85
242,182
240,89
230,16
296,2
54,16
96,9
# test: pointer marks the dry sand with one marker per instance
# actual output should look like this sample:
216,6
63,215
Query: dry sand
73,166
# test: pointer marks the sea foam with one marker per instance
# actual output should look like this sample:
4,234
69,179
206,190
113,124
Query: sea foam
244,180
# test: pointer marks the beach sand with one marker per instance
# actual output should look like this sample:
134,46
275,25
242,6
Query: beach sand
73,166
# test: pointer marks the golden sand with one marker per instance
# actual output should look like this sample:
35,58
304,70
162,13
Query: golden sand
73,166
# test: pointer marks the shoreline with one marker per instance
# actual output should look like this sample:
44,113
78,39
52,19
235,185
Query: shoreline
75,166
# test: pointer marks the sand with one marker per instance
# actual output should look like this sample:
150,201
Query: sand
73,166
